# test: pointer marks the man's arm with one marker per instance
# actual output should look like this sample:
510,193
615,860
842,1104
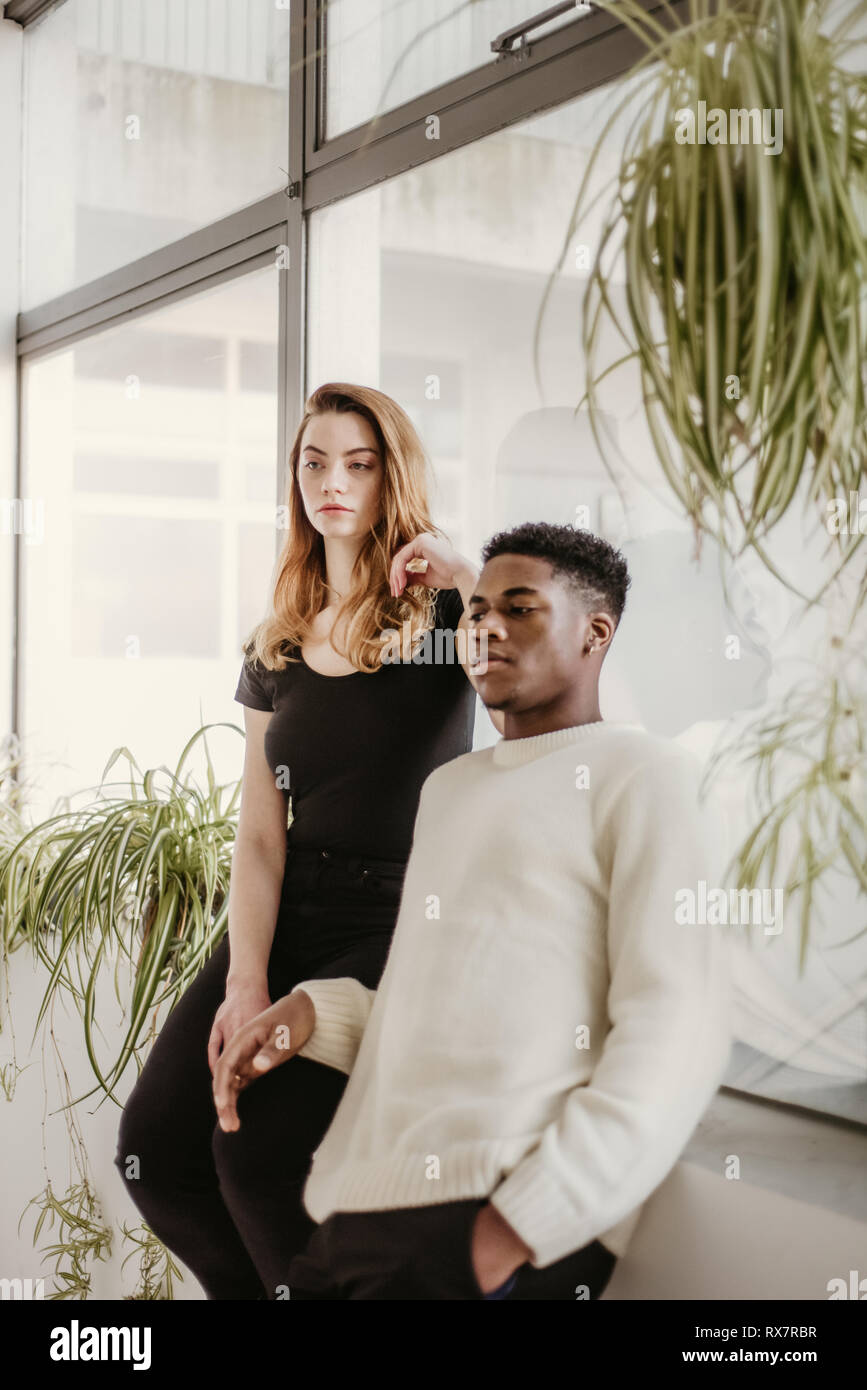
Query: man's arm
668,1007
341,1008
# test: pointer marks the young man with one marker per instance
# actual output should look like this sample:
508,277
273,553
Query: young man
545,1036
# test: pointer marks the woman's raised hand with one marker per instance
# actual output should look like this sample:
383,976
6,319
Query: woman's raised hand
443,564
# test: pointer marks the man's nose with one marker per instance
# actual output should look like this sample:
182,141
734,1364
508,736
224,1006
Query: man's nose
494,626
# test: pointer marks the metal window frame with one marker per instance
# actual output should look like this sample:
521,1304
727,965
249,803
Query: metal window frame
549,71
543,73
27,12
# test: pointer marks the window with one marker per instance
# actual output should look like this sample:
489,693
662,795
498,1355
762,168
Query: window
146,120
151,539
429,286
381,53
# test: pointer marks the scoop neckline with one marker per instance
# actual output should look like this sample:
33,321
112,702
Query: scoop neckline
347,675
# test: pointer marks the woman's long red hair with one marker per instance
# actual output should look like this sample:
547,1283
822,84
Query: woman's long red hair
299,574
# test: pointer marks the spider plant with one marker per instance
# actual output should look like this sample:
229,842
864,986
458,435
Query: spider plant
157,1269
13,826
808,763
141,878
82,1236
745,270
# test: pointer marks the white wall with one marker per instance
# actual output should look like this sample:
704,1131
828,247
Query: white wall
33,1135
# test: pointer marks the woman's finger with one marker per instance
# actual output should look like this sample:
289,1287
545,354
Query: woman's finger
235,1069
214,1042
397,575
227,1083
226,1088
410,559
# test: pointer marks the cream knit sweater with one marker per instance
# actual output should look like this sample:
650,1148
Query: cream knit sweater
544,1033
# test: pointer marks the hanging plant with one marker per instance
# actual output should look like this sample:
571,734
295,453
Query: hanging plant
82,1236
141,879
743,241
808,764
157,1269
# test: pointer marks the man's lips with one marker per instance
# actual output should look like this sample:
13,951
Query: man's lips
484,663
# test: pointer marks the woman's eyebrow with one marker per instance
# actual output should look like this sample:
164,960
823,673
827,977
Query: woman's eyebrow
361,450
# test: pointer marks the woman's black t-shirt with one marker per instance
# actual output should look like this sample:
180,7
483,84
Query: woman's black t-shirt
353,751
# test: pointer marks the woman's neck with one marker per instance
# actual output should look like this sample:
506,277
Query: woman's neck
340,557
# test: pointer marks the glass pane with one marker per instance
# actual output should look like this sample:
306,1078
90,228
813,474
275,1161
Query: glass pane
430,286
145,120
381,54
152,557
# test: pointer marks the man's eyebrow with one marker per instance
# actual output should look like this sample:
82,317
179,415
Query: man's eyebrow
361,450
507,593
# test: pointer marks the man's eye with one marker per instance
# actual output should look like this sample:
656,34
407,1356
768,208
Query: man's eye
474,617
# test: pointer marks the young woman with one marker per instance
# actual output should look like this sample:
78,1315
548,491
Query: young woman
338,745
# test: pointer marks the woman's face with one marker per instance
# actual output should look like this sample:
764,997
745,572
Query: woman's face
340,475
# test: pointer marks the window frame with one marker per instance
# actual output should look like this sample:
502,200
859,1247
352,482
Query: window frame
545,72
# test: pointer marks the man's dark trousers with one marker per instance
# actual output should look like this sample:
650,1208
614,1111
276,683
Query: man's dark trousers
424,1253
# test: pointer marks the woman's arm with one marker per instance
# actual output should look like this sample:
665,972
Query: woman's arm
258,865
446,569
259,858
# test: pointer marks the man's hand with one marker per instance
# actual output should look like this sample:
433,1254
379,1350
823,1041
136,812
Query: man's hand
270,1038
244,1000
496,1250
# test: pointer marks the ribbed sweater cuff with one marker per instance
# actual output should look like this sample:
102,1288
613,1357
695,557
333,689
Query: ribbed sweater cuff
534,1205
342,1009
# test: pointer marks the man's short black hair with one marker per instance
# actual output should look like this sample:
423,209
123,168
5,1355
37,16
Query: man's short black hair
593,569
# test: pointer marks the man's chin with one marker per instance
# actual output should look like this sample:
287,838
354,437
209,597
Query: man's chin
497,701
494,690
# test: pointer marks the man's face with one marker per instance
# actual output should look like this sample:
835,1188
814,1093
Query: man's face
535,634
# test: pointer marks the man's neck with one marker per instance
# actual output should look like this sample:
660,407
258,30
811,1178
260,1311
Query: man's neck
529,723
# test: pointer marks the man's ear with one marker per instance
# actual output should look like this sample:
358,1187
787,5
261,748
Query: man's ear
602,628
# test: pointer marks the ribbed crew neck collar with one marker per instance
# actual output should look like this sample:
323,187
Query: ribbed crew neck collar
510,752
